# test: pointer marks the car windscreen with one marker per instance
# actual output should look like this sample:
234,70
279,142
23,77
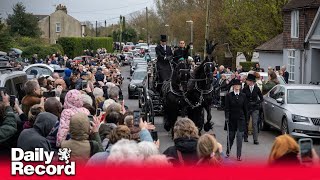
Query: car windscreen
38,70
303,96
139,75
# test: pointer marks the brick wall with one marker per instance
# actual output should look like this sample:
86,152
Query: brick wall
304,27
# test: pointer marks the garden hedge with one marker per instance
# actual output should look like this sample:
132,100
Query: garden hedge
248,65
74,46
41,50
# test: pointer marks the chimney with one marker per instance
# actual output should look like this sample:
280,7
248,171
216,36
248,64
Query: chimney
62,8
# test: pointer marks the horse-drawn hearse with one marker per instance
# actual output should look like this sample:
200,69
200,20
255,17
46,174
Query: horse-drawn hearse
187,93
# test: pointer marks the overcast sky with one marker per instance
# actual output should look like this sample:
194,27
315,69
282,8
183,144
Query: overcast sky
83,10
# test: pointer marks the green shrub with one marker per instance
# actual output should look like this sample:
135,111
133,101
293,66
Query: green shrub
248,65
41,50
74,46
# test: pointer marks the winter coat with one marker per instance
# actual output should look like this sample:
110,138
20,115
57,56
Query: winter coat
36,137
28,101
187,148
82,149
72,104
267,87
8,127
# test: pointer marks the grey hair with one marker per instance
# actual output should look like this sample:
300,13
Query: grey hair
86,99
113,92
125,152
30,86
148,149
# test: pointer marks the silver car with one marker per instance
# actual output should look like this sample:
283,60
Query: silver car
293,109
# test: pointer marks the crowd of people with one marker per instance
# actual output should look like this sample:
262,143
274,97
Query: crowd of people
64,112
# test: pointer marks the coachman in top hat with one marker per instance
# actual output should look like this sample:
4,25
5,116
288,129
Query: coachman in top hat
163,65
255,98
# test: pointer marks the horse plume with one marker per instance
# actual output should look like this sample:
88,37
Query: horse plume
210,46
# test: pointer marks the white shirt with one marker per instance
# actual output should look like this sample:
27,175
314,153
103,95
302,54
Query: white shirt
236,93
251,88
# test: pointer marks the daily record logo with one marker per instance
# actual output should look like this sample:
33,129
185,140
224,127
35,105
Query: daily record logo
18,156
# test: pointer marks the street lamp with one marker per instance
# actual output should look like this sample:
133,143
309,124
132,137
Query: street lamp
167,26
144,29
191,35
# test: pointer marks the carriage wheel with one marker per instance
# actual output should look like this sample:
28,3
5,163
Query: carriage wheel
150,112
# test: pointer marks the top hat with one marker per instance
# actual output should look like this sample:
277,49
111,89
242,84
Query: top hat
163,38
251,77
236,82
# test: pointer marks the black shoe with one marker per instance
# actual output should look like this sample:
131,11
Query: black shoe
227,155
239,158
256,142
245,140
167,126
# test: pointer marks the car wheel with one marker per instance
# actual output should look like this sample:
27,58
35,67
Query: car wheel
284,126
263,125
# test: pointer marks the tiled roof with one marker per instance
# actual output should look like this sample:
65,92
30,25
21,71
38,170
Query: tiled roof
275,44
39,17
294,4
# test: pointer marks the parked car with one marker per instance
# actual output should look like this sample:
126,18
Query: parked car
265,77
293,109
133,64
126,48
13,81
4,62
37,70
138,80
81,59
144,46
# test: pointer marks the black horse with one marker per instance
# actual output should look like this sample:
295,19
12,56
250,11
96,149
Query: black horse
200,94
173,91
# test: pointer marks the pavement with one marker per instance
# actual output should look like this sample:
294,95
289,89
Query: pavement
250,152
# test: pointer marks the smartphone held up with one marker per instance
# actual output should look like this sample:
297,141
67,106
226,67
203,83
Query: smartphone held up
305,145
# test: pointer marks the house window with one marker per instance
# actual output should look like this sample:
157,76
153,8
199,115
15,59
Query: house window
291,59
58,27
294,24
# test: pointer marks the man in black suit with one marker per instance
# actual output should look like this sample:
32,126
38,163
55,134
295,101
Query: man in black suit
163,65
236,114
181,52
255,98
285,74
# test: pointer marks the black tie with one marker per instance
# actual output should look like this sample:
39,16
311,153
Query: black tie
237,96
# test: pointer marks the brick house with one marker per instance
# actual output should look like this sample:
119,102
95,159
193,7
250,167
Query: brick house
59,24
300,42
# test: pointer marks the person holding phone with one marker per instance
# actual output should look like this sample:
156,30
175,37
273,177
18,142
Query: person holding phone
80,143
285,151
8,124
80,84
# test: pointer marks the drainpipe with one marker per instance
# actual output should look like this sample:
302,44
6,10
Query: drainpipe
49,30
303,56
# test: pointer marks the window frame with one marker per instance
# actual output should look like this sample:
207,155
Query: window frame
291,64
57,27
295,24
